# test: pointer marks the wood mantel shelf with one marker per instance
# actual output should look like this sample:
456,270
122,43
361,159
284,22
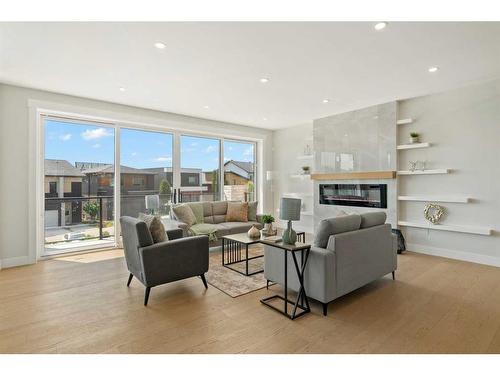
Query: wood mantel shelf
354,175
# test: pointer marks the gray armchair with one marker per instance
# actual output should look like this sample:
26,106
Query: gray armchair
164,262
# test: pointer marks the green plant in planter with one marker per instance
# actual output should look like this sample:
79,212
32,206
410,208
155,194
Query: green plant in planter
306,169
267,219
414,135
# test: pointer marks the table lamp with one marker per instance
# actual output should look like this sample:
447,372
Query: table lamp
290,210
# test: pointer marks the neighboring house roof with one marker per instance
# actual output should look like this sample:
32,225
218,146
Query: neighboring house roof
241,168
245,165
62,168
110,168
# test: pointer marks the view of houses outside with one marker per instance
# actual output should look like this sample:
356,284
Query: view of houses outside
79,178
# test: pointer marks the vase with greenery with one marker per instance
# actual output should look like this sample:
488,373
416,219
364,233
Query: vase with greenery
268,221
306,169
414,137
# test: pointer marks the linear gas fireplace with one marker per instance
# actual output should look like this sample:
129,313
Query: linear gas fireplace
361,195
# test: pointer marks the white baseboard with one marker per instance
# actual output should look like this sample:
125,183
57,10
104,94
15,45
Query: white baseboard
454,254
15,261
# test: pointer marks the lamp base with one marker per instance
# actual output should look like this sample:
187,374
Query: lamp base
289,235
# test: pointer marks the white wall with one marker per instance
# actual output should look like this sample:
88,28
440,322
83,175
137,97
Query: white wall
288,149
15,162
463,126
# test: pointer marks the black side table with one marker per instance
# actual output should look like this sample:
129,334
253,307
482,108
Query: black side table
301,302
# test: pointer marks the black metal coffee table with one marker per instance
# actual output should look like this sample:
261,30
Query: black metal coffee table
232,252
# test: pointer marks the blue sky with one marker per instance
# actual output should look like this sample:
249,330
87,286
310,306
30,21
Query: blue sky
139,149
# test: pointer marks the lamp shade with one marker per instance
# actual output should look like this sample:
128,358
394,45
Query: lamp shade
290,209
152,202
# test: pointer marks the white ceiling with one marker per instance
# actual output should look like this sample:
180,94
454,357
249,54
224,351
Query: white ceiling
220,64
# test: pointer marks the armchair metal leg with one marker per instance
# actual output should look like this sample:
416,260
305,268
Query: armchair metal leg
129,279
204,281
267,284
325,309
394,275
146,296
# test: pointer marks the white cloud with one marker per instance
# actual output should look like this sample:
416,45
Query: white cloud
65,137
226,159
161,159
134,154
96,134
97,145
248,151
210,149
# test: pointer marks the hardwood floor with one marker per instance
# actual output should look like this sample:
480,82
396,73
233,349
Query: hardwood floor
436,305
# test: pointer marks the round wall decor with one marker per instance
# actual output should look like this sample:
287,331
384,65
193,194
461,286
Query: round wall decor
433,212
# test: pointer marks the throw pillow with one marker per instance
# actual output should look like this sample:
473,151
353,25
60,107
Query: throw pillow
155,227
185,214
237,211
197,209
252,211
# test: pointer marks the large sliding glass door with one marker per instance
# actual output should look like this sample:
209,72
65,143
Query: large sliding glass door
146,175
200,166
82,197
239,171
78,185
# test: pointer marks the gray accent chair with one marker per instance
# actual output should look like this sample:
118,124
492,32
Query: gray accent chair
160,263
348,252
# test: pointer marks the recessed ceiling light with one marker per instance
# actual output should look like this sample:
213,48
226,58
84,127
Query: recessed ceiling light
122,89
381,25
160,45
433,69
206,106
326,101
264,80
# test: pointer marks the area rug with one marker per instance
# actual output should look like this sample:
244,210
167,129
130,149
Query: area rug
233,283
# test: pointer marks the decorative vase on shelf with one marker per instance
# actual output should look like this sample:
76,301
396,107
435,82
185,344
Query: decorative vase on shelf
253,232
414,138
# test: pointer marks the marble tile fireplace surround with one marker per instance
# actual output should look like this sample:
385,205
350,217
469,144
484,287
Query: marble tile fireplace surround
352,144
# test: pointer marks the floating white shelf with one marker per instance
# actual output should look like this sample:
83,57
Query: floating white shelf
431,198
404,121
450,228
305,157
427,171
301,176
292,195
413,145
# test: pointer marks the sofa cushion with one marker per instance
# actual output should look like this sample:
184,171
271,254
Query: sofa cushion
219,210
222,230
235,227
184,213
198,211
155,227
328,227
207,212
237,211
371,219
252,211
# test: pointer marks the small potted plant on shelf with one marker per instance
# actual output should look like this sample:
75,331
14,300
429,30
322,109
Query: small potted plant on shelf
414,137
268,221
306,169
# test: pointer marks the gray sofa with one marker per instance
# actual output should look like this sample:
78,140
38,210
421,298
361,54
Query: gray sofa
215,213
160,263
348,252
